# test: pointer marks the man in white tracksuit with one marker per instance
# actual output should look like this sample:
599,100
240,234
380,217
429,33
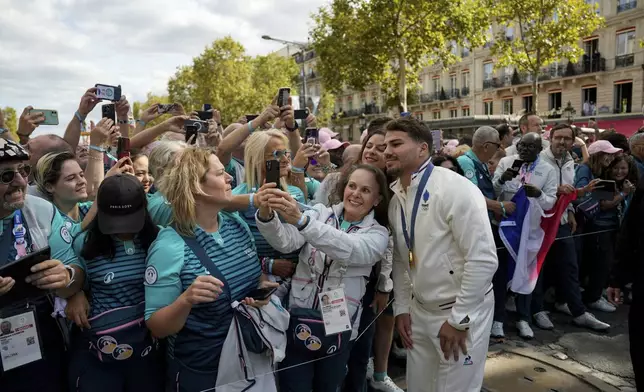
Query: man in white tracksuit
444,260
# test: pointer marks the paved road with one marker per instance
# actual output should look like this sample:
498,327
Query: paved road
565,359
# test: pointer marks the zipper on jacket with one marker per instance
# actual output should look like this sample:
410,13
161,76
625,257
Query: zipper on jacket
321,280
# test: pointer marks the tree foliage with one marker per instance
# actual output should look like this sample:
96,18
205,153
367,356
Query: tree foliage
546,31
325,109
362,42
10,119
233,82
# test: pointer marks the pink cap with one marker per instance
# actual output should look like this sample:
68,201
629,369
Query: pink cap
603,146
325,135
333,144
330,132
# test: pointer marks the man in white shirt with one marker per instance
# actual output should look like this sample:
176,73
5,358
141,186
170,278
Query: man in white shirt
443,262
529,122
539,179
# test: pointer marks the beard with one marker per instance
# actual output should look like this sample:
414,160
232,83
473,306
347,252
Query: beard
394,172
15,205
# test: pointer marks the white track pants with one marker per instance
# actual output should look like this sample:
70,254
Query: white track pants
427,369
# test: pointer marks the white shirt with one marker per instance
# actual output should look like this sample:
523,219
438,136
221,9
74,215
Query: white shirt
543,176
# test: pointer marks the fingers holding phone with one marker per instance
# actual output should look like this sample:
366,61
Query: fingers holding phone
6,284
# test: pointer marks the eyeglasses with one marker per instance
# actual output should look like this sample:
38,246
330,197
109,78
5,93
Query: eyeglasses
7,176
497,145
278,154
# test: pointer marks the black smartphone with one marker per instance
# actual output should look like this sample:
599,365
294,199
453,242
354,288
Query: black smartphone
206,107
604,190
251,117
107,92
516,165
19,270
282,96
301,114
199,125
165,107
190,132
262,294
109,111
204,115
312,136
123,149
273,172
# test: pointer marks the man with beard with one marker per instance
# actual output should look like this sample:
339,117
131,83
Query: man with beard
443,261
539,179
29,224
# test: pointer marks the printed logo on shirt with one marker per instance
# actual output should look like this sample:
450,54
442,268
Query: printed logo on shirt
146,351
151,275
122,352
302,331
64,234
331,349
68,225
107,344
109,277
313,343
425,204
469,174
468,361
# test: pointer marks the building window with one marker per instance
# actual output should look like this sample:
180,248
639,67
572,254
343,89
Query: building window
466,112
507,106
595,4
554,101
625,5
488,71
625,43
453,113
437,86
589,99
419,116
452,82
454,48
437,115
623,97
465,80
509,33
527,103
487,108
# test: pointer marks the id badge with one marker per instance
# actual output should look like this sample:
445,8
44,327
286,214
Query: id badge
335,312
19,339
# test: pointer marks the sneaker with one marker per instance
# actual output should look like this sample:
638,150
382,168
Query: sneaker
525,331
588,320
542,321
398,352
497,330
563,308
510,305
603,305
387,385
370,369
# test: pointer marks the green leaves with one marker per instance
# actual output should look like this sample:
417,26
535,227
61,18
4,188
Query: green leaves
10,119
233,82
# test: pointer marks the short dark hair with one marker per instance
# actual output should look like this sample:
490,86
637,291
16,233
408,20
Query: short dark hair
416,130
465,140
378,123
524,119
503,130
617,140
559,127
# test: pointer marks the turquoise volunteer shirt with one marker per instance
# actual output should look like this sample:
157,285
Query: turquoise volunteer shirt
172,267
159,209
467,164
263,247
312,186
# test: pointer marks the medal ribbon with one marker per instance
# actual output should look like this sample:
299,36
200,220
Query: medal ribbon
409,235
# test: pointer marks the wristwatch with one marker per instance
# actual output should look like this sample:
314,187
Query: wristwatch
290,129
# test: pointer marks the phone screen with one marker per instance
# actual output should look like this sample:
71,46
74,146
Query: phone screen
165,107
517,164
110,93
204,115
312,136
605,190
123,149
251,117
273,172
301,114
282,96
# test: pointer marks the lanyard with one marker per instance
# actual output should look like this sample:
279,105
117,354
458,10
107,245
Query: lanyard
526,171
409,236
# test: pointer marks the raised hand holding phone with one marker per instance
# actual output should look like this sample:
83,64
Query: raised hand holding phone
122,166
100,135
88,102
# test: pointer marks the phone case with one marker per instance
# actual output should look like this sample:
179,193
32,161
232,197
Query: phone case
109,111
114,98
282,96
51,116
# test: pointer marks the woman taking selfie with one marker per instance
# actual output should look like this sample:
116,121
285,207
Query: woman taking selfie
115,350
339,246
182,298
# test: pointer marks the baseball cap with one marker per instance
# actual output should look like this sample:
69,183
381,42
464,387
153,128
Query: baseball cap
325,134
333,144
121,205
12,151
603,146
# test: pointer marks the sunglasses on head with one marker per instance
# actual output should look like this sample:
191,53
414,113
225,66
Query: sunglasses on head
7,176
278,154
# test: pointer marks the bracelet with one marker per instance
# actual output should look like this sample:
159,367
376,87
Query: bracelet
96,148
79,117
306,223
300,221
290,129
122,121
250,127
326,169
503,210
298,170
270,266
143,123
90,156
72,274
251,200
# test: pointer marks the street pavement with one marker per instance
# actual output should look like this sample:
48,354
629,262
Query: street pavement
567,358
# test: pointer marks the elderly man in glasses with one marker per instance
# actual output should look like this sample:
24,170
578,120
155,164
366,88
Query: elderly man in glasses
28,225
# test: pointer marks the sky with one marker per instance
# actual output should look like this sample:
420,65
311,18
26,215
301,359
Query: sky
52,51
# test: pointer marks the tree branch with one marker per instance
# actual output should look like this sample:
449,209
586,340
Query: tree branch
524,43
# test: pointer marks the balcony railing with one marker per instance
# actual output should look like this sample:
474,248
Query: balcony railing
465,91
426,98
626,60
626,6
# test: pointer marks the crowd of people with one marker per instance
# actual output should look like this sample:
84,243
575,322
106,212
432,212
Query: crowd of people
247,257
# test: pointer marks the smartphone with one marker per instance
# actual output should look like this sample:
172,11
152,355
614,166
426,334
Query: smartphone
107,92
19,270
191,135
251,117
123,149
516,165
199,125
273,171
605,190
165,107
109,111
282,96
312,136
51,116
206,107
301,114
262,294
204,115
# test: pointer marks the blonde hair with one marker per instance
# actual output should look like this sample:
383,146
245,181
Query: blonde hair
182,182
460,150
162,156
254,160
48,170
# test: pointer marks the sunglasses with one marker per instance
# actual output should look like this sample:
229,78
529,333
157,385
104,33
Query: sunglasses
7,176
278,154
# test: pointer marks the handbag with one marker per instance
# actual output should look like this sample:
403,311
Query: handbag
307,335
120,334
254,342
588,209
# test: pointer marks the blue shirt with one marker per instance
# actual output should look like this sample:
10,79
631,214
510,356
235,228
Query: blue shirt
159,209
263,247
312,186
113,282
173,267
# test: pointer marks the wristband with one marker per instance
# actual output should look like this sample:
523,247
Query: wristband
79,117
72,273
503,210
143,123
290,129
251,201
96,148
299,170
300,221
122,121
270,266
250,126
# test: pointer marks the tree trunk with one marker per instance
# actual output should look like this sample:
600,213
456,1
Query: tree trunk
402,80
535,93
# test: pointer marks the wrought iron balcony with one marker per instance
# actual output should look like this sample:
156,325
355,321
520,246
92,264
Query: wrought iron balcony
426,98
621,7
465,91
626,60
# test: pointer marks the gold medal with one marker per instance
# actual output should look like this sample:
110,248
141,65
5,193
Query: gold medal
411,259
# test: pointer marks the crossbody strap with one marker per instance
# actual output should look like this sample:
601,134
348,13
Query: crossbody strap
207,263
